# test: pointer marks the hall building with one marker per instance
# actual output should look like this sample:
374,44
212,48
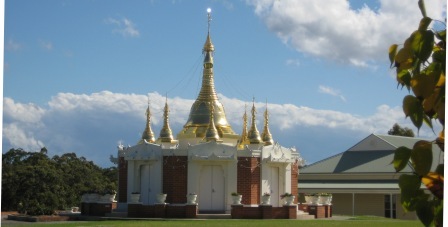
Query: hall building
207,157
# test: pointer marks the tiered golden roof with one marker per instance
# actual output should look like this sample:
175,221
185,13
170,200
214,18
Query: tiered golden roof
166,135
199,118
266,135
254,135
212,133
147,134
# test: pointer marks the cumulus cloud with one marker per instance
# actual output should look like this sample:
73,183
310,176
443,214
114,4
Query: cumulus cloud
13,45
46,45
293,62
92,124
123,26
331,91
333,30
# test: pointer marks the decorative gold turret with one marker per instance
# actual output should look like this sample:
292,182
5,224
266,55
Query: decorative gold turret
266,135
244,139
165,134
212,133
148,134
254,135
199,118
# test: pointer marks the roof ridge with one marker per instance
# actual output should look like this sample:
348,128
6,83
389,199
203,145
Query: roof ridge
325,159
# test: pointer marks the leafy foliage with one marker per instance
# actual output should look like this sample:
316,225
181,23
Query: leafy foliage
420,66
35,184
397,130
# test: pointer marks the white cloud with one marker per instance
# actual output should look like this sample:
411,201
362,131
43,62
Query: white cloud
13,45
293,62
46,45
91,124
331,29
18,138
123,26
331,91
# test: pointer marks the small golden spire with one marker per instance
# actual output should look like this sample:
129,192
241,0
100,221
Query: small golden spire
212,133
148,134
166,134
254,135
244,139
266,135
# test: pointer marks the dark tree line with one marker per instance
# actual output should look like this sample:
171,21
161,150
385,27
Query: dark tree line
36,184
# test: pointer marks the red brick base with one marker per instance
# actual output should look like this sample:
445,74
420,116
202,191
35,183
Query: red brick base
320,211
138,210
264,212
97,209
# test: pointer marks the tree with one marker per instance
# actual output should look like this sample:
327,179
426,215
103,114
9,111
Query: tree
35,184
397,130
425,77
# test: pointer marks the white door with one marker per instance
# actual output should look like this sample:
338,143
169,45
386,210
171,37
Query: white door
211,189
274,186
145,185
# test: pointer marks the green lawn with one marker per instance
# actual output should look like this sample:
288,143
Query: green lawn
357,221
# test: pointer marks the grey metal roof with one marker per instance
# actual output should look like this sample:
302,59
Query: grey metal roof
367,161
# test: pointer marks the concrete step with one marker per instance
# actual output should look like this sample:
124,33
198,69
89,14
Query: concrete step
304,215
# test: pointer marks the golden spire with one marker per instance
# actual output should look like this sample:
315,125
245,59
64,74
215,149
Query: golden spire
147,135
199,118
266,135
244,139
212,133
254,135
165,134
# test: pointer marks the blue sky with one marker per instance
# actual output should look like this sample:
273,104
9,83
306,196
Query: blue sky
77,73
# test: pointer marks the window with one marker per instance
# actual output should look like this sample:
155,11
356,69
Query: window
390,206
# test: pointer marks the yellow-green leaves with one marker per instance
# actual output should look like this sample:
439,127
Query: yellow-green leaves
413,109
422,44
392,53
401,158
421,157
421,5
424,23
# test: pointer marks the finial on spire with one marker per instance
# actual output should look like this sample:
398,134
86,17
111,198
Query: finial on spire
266,135
209,10
254,135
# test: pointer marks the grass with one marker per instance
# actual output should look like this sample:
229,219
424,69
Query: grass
354,221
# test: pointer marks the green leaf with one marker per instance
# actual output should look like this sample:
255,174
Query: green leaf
392,53
404,78
421,6
409,199
424,212
441,35
438,212
422,44
413,109
421,157
401,158
409,183
439,169
424,23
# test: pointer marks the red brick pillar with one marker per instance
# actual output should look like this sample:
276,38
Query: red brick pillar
237,212
175,176
292,211
191,211
295,181
122,180
248,179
